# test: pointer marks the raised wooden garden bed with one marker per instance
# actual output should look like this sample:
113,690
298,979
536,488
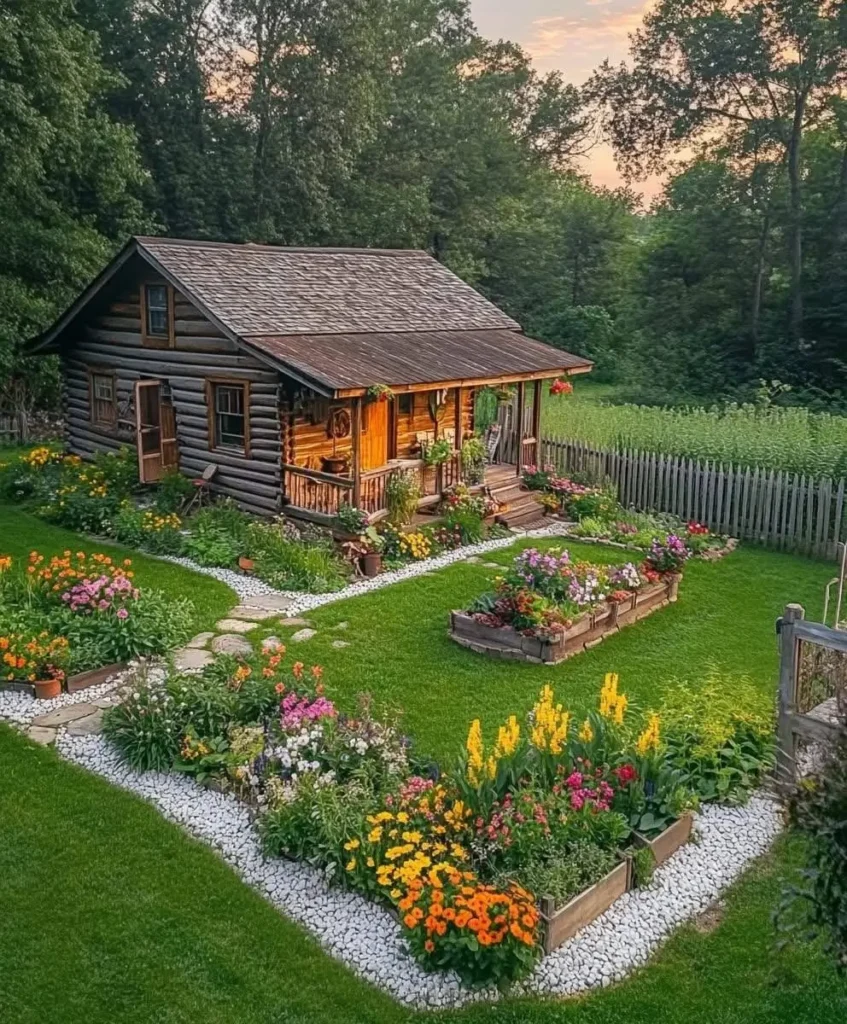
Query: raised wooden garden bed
80,681
668,842
560,925
585,632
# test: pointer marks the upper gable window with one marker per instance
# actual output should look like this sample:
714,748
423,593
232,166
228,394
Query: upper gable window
157,314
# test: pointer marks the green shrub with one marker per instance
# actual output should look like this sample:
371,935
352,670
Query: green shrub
573,871
402,494
473,460
466,521
818,809
144,730
212,547
719,736
172,491
286,564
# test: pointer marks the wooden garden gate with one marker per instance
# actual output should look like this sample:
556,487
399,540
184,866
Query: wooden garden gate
812,681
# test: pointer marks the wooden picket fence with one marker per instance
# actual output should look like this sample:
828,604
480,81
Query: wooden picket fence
788,511
10,429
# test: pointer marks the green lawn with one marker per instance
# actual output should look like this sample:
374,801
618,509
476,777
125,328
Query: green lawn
400,651
110,913
21,533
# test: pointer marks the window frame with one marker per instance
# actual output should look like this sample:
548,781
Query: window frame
111,375
403,398
212,384
166,340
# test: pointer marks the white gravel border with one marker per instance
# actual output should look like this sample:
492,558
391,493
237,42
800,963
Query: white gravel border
248,586
367,938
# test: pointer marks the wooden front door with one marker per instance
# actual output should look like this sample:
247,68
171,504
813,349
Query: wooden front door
374,435
155,424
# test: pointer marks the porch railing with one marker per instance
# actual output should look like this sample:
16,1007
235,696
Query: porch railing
529,452
317,492
325,492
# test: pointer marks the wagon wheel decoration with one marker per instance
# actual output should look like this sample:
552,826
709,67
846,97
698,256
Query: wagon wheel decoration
339,424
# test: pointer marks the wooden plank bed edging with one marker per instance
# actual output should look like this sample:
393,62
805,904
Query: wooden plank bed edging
585,632
561,925
668,842
93,676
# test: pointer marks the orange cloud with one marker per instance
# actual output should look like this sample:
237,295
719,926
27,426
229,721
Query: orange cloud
564,38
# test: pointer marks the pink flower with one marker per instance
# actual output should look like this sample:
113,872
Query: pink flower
123,613
574,780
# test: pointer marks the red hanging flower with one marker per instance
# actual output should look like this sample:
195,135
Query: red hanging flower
561,386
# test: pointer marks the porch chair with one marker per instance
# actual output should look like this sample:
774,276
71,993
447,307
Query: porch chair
492,442
202,489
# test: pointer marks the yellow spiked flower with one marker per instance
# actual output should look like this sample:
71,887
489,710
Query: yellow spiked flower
586,733
650,739
475,752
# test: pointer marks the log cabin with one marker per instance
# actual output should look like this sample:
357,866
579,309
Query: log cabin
305,377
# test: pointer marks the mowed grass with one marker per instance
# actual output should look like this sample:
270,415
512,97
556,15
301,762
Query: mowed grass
110,913
400,652
21,533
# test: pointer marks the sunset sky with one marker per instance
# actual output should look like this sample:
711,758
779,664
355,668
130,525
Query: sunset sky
572,36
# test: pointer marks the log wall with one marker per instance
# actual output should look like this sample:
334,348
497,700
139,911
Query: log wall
111,340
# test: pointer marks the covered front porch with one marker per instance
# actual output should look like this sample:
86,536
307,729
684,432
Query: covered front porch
345,452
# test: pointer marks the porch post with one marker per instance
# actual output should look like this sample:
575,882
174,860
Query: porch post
536,420
519,421
460,394
357,451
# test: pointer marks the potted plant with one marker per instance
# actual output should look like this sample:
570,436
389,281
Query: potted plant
246,564
561,386
372,558
336,464
47,689
473,460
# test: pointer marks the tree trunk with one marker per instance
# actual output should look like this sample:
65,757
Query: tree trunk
795,238
759,284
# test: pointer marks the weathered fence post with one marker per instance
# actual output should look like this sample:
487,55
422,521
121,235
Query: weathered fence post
786,755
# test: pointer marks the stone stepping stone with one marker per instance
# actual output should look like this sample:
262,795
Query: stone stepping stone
62,716
268,602
107,701
40,734
271,643
231,643
340,643
235,626
294,622
491,565
246,611
89,726
188,660
303,634
199,641
473,559
341,625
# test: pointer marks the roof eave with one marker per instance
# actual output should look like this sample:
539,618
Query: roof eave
468,382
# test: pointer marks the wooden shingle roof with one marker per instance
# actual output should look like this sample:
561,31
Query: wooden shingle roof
262,289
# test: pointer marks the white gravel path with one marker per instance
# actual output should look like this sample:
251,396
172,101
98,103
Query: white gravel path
247,586
368,939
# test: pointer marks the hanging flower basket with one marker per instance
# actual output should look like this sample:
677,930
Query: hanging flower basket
379,393
561,386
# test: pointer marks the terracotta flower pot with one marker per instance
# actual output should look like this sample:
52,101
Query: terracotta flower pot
246,564
46,689
372,563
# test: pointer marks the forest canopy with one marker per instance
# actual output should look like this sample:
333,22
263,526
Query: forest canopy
394,123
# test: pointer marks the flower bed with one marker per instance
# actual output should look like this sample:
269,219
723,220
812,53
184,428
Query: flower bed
600,517
73,619
584,632
463,856
548,607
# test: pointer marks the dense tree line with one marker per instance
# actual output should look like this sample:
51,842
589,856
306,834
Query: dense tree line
394,123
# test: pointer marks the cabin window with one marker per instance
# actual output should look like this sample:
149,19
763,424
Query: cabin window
157,315
104,410
229,414
406,404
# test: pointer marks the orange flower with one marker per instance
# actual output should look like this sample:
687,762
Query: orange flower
410,921
297,669
429,946
441,927
317,672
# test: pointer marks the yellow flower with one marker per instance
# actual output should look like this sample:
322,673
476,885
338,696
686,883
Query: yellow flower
353,844
551,723
475,752
650,739
508,737
351,864
375,834
612,704
586,733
